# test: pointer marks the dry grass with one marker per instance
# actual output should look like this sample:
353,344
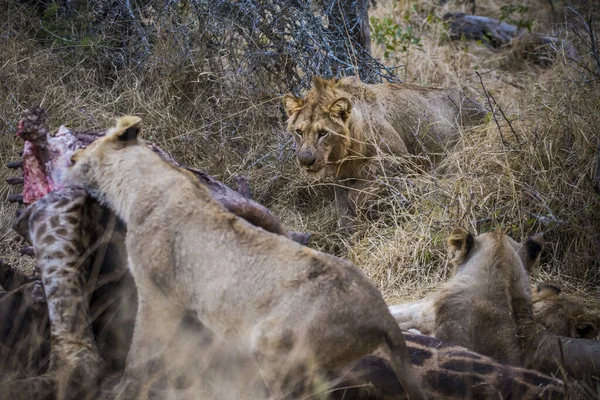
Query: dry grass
541,181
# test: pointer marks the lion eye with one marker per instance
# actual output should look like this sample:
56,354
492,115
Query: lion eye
322,134
299,132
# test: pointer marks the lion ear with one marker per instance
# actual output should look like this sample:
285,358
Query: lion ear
460,243
127,129
292,104
340,108
549,288
530,251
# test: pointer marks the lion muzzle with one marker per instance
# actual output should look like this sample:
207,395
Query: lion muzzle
307,158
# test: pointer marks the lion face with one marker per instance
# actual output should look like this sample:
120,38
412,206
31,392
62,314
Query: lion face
563,315
320,127
86,164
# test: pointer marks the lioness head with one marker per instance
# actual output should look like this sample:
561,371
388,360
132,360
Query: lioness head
487,247
86,164
563,315
320,124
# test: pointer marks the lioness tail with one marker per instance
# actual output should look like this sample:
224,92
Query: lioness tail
400,359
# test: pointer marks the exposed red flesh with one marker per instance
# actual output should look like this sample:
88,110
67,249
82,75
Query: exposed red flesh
35,184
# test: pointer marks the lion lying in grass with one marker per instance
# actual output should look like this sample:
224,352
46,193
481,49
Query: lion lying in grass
563,315
342,126
295,309
560,314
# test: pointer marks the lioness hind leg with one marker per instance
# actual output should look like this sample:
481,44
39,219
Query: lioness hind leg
156,322
282,367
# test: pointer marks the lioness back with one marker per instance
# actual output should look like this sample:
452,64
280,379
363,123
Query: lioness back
477,307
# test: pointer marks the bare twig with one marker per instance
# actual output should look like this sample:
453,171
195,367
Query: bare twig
142,35
487,96
505,118
589,38
596,182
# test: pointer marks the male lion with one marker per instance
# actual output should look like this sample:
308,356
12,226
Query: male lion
342,125
476,308
270,295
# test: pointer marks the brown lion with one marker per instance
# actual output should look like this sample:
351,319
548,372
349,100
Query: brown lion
563,315
342,125
487,307
560,314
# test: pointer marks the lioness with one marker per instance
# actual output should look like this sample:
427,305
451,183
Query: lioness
341,125
265,292
564,315
475,309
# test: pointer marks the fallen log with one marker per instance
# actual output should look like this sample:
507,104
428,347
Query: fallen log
490,31
537,48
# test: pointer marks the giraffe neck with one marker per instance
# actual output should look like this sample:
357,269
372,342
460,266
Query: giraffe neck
60,243
453,372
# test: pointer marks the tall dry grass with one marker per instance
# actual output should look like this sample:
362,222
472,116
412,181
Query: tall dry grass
542,181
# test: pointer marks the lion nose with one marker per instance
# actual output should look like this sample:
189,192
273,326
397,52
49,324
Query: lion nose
306,158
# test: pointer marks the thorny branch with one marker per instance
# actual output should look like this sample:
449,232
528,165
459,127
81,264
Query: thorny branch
588,37
263,42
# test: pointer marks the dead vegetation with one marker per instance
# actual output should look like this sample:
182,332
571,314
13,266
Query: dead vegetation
208,88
